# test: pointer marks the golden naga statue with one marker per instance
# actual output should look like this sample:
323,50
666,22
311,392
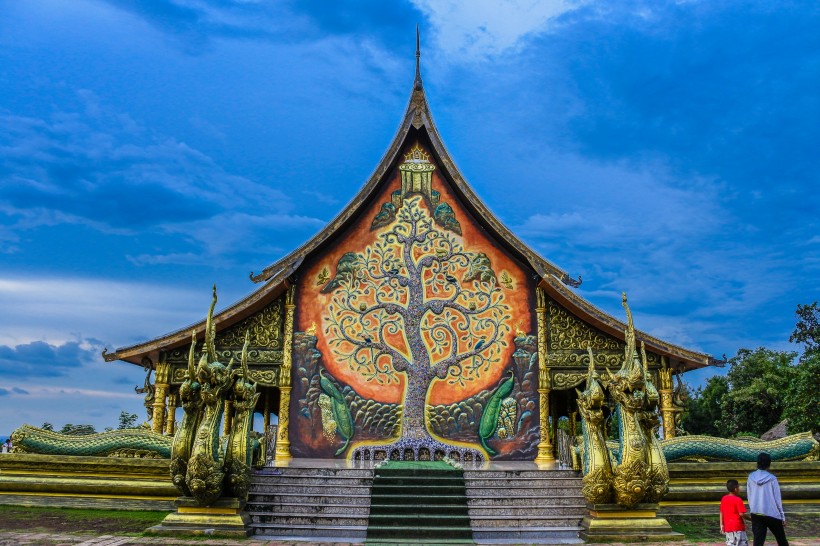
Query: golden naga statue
597,481
658,473
638,473
200,466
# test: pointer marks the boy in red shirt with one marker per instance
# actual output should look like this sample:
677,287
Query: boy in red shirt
732,512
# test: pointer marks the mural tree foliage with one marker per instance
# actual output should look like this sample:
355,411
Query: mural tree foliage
415,306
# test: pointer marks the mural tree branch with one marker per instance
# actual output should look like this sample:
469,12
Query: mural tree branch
415,306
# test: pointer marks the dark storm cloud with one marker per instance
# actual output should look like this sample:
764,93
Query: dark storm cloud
391,22
41,359
197,22
102,169
716,88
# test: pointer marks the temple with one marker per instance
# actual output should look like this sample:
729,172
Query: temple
414,325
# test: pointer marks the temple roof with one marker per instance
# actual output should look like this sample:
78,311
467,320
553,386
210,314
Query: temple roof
416,123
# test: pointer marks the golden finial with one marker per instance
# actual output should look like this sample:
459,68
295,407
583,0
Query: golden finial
416,155
312,330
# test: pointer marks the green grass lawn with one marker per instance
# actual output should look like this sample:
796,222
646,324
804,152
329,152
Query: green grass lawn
708,527
31,518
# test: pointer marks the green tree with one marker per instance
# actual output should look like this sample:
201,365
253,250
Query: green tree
803,397
759,381
807,329
705,407
127,420
78,430
47,426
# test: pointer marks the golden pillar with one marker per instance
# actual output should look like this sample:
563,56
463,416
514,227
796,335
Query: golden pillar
162,373
667,407
282,440
170,415
228,418
266,425
545,447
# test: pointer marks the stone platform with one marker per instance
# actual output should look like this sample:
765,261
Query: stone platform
506,502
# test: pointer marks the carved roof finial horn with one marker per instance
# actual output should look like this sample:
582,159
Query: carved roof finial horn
417,83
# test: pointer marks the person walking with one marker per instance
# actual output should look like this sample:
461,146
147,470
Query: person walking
732,514
765,503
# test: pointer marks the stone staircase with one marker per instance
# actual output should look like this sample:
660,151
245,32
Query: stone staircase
415,505
525,506
414,502
310,503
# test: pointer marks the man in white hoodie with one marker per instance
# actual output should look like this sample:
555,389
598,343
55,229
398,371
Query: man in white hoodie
765,503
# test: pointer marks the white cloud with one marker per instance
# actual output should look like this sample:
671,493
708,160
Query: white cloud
60,310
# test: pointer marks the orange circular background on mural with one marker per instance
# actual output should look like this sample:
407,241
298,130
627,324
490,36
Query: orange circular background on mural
314,307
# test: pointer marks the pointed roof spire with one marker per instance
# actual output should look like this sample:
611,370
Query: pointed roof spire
417,84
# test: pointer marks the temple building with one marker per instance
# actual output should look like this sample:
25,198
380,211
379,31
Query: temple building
414,325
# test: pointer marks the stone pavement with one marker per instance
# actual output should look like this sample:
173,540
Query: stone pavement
9,538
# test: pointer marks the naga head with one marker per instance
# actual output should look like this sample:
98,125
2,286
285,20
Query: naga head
627,385
591,400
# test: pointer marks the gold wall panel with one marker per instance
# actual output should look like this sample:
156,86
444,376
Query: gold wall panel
265,328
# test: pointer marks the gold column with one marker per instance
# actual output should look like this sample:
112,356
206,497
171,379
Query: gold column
667,408
265,425
545,448
227,418
170,415
162,372
282,440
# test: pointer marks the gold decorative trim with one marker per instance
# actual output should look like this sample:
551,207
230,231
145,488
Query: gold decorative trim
563,381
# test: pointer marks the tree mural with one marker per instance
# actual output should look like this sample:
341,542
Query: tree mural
416,306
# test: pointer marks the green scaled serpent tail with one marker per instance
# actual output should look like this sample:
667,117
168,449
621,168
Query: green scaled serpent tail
489,417
341,413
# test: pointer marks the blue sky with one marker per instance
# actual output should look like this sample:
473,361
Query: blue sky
150,148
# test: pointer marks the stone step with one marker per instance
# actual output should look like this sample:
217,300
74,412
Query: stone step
528,511
284,518
552,474
524,483
504,492
276,508
414,479
564,500
272,531
415,533
299,498
418,491
569,534
525,522
267,473
419,510
308,489
342,481
427,519
400,499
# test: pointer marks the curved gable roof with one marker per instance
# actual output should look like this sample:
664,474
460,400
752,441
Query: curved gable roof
417,120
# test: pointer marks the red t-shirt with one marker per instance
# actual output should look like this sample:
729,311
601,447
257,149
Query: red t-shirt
731,506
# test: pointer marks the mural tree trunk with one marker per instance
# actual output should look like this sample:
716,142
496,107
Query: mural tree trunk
416,307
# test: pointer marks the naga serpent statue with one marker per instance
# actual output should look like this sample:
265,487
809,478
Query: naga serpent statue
597,481
136,443
658,474
634,469
627,388
638,473
199,467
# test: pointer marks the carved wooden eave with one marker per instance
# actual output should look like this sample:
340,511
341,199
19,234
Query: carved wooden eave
679,358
